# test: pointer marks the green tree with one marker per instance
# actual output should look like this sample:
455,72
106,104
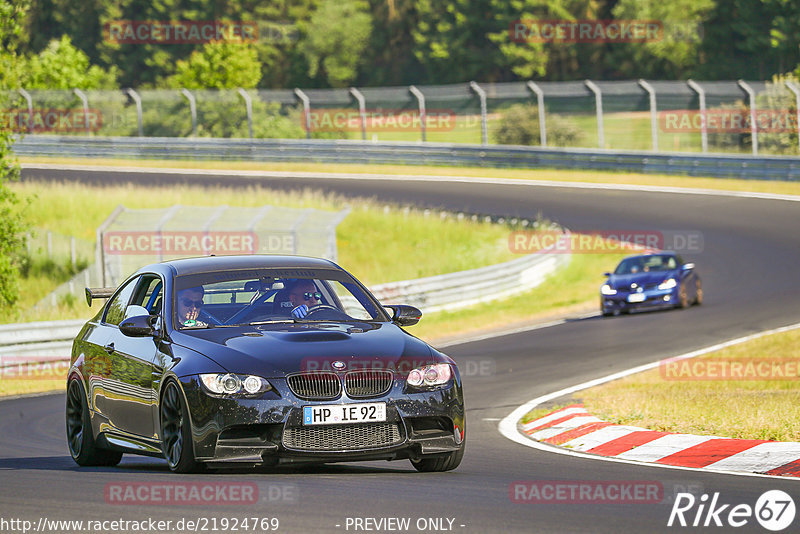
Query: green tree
677,52
750,39
12,225
62,66
335,39
219,65
477,40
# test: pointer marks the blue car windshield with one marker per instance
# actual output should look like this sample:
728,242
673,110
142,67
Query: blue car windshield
232,298
647,264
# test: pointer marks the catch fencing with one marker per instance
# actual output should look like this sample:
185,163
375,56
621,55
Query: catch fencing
747,117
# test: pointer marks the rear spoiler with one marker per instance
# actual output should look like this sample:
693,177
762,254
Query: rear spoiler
98,293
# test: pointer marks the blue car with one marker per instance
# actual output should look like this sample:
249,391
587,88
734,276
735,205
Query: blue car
649,281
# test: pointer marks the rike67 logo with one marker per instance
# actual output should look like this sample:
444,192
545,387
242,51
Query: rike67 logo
774,510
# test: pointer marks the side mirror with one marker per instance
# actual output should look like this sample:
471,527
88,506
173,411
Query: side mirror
606,274
688,266
405,315
139,326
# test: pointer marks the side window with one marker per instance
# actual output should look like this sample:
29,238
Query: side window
149,293
115,312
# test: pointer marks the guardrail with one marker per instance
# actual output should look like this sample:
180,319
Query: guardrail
466,288
52,340
348,151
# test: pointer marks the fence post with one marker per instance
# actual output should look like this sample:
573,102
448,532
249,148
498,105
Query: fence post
138,101
27,96
653,112
796,90
598,102
421,102
753,125
80,94
540,102
193,108
482,95
701,95
306,110
362,110
248,104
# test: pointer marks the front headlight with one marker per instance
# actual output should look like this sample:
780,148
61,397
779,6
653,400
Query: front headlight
430,375
668,284
606,290
231,384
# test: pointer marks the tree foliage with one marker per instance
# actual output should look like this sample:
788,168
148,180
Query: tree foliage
335,43
335,39
219,65
12,225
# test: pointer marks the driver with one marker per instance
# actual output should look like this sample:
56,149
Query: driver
189,303
303,295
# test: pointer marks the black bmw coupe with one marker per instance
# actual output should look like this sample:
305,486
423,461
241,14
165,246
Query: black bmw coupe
258,360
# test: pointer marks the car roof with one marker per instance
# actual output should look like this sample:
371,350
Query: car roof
651,253
249,261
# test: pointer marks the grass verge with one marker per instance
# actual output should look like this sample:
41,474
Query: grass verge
689,397
604,177
376,243
574,288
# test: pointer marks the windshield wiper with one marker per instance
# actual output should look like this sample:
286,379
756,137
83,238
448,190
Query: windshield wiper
273,321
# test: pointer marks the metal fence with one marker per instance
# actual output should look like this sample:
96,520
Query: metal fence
752,117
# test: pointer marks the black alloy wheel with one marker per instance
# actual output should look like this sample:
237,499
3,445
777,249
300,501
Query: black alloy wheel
176,436
80,440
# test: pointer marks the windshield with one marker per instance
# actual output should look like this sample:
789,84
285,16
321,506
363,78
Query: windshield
645,264
231,298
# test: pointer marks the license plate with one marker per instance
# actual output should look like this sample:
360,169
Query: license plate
339,414
637,297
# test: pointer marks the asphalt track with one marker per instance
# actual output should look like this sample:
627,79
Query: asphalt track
749,265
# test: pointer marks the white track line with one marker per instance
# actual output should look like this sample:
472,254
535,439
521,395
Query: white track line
414,178
508,426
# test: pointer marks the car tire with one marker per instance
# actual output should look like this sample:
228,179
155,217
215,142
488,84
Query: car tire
80,437
683,298
698,297
176,431
439,463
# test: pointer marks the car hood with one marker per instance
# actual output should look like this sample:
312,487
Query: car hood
275,350
624,280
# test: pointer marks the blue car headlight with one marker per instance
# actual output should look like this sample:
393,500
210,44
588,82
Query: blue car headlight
607,290
668,284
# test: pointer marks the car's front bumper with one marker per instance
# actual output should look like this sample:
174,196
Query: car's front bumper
270,429
648,299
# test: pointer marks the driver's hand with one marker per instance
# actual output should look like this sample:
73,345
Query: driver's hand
300,311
